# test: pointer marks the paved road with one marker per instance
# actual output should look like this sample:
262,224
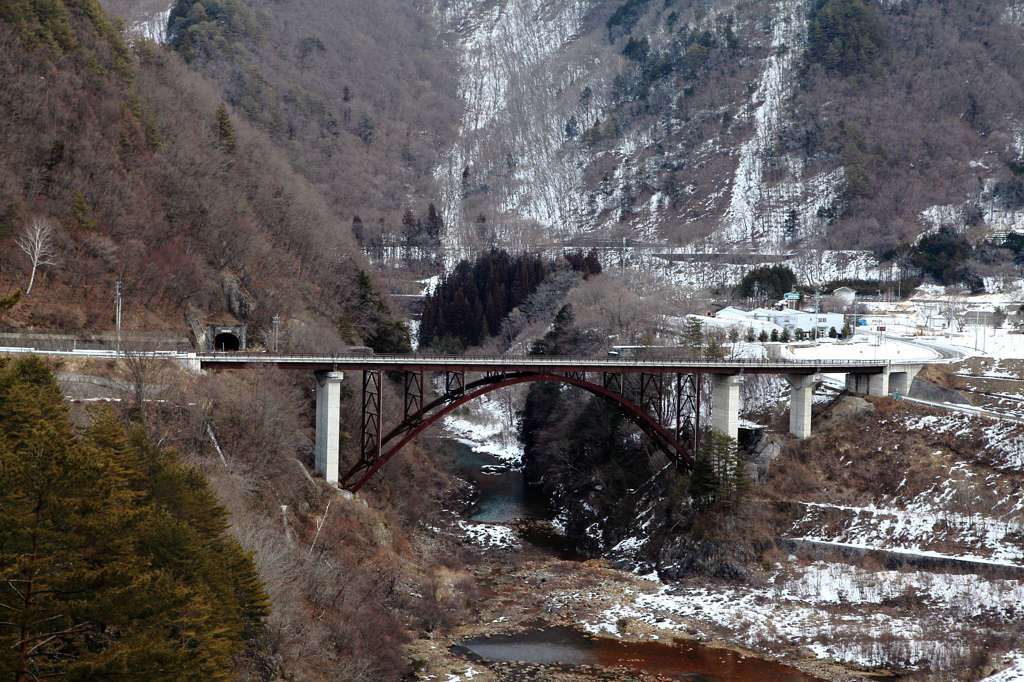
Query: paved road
946,353
507,363
970,409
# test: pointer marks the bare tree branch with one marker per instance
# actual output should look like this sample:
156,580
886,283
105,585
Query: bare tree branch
36,241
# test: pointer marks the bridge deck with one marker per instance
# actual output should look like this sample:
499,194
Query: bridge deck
556,364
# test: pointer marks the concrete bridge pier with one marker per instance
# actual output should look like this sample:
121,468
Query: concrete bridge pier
328,424
800,403
900,381
725,404
874,385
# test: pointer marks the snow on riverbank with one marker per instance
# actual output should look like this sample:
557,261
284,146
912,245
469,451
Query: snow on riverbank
487,425
489,535
484,535
837,611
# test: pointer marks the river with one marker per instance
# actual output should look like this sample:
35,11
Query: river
506,499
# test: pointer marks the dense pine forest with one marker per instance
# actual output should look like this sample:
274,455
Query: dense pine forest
115,559
471,303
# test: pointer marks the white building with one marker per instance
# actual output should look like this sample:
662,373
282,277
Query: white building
798,319
791,320
740,323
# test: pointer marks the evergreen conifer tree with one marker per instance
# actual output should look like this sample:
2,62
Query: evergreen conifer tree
719,478
713,349
693,336
409,225
114,560
81,211
226,130
69,522
434,222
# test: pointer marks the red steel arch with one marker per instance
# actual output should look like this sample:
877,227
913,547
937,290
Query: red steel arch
363,470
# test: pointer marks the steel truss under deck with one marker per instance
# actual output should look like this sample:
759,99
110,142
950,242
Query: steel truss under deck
664,405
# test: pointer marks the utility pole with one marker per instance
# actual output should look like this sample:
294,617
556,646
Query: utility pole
277,325
117,313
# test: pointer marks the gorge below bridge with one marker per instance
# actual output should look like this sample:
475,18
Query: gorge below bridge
662,397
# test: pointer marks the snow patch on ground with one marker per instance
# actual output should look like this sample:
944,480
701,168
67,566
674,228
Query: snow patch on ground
489,535
912,530
485,535
1003,442
1014,672
414,333
467,674
430,284
798,607
152,27
889,349
484,427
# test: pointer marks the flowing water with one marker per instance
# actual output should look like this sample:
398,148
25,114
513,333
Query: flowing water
505,498
504,495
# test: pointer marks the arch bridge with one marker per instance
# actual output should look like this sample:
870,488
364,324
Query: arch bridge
662,397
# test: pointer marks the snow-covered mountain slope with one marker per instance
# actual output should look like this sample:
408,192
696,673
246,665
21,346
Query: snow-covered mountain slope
517,63
680,127
758,212
677,124
152,26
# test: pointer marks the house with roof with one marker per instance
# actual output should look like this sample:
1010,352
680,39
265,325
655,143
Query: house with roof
846,295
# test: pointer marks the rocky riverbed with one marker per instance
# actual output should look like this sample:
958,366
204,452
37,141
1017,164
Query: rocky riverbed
526,594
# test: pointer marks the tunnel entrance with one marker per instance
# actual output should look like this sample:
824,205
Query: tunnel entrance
221,337
226,341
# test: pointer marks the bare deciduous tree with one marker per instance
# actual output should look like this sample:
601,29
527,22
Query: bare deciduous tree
510,400
142,375
812,268
36,241
954,307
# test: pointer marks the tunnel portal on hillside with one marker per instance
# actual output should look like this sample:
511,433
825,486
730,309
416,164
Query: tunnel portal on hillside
221,337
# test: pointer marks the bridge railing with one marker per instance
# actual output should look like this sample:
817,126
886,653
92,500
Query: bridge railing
498,360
